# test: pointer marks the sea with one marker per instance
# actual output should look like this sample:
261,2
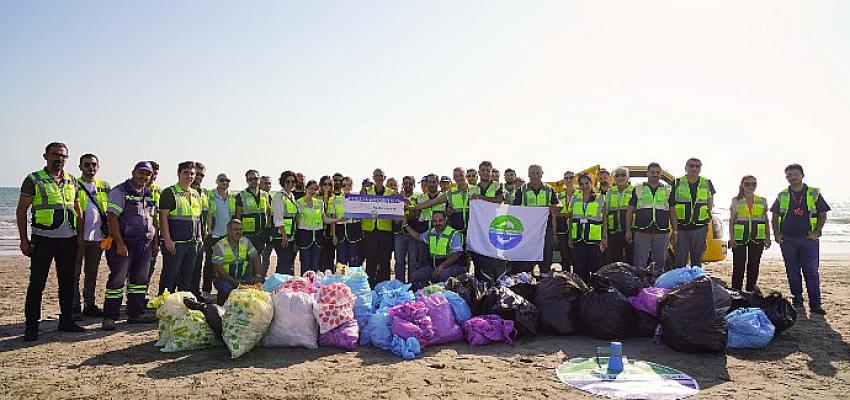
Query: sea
836,235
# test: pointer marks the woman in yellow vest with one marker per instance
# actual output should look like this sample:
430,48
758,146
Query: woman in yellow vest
588,228
348,232
284,212
749,233
311,220
327,188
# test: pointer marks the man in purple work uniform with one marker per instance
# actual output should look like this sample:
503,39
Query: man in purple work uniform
130,216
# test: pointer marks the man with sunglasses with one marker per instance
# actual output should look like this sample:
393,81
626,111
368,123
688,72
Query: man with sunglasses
221,209
692,198
798,217
93,202
252,208
56,217
472,177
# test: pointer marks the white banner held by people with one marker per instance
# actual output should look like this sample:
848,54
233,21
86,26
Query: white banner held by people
506,232
365,206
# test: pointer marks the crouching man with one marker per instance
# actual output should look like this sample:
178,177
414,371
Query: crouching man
446,249
235,260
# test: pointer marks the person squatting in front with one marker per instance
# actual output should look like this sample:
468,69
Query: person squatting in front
236,261
446,248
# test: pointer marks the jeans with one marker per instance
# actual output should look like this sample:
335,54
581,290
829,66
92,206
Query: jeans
44,251
310,249
204,282
223,289
746,258
587,258
285,256
177,269
88,261
802,255
348,253
424,274
328,260
488,268
132,270
618,249
646,244
690,245
406,254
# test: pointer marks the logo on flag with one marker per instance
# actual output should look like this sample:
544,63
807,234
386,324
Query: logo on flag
505,232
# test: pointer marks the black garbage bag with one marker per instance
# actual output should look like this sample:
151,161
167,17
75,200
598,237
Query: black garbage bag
557,298
627,279
779,311
604,313
468,288
645,324
743,299
212,313
505,303
693,317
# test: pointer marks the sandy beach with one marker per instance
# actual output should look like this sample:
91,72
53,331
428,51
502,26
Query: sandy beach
809,361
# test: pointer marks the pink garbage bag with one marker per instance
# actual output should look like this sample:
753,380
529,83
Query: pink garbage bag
344,336
411,320
446,330
647,300
485,329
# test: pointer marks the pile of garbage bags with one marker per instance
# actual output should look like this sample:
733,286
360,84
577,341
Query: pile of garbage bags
683,308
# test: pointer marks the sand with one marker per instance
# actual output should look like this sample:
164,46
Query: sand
809,361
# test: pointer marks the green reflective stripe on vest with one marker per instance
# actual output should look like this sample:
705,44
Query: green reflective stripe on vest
617,202
742,229
370,224
685,205
233,266
646,201
51,204
310,217
253,212
587,219
440,245
101,194
812,195
541,199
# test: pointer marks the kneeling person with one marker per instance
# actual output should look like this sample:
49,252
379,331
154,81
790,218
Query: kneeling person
446,247
235,260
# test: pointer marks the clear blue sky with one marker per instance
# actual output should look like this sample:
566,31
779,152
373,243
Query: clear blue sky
425,86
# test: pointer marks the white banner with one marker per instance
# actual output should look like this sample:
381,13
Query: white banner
506,232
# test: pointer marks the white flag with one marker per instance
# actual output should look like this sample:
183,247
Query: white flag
507,232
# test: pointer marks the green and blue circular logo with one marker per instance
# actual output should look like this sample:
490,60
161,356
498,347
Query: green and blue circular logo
505,232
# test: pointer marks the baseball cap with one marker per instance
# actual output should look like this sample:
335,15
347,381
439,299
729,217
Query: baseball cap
143,165
445,179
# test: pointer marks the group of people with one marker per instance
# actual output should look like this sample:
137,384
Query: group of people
224,238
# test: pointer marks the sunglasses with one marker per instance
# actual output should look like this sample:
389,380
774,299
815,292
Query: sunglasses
620,175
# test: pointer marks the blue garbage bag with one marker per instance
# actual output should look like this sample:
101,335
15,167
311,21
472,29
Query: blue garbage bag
326,278
749,328
378,331
678,276
460,309
394,297
407,349
359,284
274,281
382,287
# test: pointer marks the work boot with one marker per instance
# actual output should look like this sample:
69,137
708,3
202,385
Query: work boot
145,318
92,311
798,304
76,315
70,326
817,309
31,333
108,324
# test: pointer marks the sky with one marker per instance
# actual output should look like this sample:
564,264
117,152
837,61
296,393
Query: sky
417,87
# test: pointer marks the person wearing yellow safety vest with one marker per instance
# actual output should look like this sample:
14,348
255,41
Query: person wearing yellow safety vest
328,259
405,248
486,189
311,220
749,233
536,193
130,219
221,208
348,232
180,224
236,261
378,236
617,204
692,197
510,187
284,212
93,202
798,215
269,231
648,224
445,248
253,206
562,226
198,272
588,228
56,218
426,203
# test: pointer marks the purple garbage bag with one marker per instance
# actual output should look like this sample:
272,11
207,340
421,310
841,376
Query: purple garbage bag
446,330
485,329
647,300
344,336
411,319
